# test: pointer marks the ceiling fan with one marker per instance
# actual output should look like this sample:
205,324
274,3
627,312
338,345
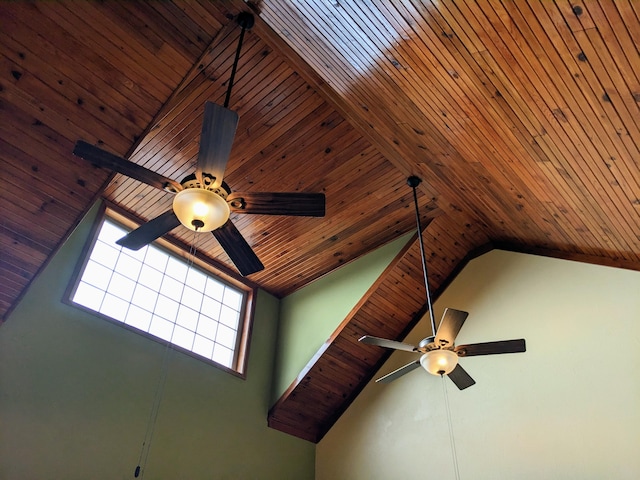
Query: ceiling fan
439,354
203,201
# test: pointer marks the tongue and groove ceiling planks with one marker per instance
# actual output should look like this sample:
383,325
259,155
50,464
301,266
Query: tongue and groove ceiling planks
521,118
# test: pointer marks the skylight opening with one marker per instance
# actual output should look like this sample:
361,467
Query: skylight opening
154,292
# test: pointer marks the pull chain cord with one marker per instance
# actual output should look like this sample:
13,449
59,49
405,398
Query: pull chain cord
162,380
451,438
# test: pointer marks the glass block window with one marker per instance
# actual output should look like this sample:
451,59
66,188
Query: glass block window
156,292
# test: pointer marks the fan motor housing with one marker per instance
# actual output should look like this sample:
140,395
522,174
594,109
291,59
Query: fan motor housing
427,344
191,181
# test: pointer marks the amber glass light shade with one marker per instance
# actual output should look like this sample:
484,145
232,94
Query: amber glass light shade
200,210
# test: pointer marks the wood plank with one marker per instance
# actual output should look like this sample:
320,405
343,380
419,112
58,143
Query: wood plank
71,80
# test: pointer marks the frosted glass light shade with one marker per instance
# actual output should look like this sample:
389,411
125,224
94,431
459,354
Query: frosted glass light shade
439,362
200,210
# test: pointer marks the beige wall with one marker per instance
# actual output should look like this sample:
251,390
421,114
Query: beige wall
568,408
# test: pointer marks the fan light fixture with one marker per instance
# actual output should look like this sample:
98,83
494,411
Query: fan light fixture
439,362
200,210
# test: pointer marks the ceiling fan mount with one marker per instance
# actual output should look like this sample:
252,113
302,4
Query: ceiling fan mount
414,181
245,20
439,354
203,201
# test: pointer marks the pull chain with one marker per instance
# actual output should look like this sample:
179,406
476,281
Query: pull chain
162,380
452,440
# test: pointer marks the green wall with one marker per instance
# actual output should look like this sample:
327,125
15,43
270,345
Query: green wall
309,316
565,409
76,393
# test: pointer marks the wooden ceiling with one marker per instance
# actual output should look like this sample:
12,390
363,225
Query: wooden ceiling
522,119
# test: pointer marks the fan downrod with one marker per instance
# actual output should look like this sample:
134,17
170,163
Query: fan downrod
246,21
413,182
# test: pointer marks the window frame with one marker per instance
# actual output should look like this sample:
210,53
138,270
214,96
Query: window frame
176,248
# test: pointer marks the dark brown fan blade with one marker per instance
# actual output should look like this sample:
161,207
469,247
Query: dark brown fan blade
390,377
383,342
239,251
104,159
461,378
450,325
148,232
282,203
491,348
216,139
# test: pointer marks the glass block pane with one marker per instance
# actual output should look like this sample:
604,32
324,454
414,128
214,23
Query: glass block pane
156,258
188,318
106,255
177,269
161,328
196,279
121,286
172,288
144,297
166,308
110,233
214,289
192,298
207,327
229,317
97,275
182,337
128,266
89,296
150,277
203,346
135,254
226,336
114,307
210,307
139,318
232,298
222,355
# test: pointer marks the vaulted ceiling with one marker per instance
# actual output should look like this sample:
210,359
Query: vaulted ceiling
521,118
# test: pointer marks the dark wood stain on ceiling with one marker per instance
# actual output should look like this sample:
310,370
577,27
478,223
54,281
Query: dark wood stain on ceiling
522,119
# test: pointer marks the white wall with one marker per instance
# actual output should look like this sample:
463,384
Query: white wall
568,408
